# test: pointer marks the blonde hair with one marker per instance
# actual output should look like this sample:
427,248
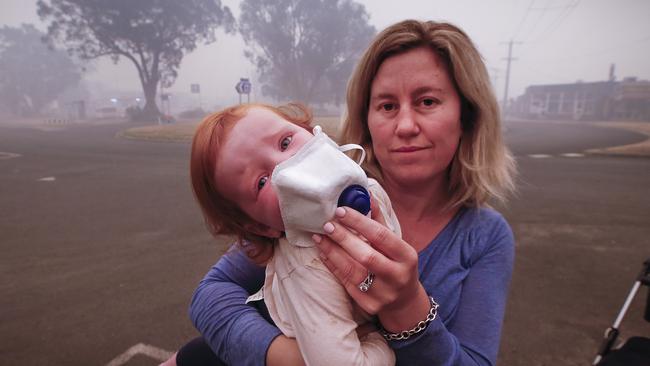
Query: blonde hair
482,167
222,216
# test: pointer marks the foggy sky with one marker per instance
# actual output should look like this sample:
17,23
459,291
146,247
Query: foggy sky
561,41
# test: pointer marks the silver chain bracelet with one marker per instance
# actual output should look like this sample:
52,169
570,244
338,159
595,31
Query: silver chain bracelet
422,324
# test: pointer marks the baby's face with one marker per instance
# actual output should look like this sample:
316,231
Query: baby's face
254,146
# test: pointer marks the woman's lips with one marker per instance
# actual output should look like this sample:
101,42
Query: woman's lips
407,149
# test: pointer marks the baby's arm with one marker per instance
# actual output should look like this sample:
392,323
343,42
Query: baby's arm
321,313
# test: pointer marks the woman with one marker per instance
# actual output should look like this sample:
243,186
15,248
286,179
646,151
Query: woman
421,105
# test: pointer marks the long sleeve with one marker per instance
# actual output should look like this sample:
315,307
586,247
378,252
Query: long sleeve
470,283
235,331
308,303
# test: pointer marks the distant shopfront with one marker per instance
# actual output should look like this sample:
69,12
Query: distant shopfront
604,100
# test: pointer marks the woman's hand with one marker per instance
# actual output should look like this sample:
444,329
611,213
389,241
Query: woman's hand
355,244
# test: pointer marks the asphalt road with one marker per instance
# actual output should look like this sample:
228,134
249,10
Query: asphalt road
102,244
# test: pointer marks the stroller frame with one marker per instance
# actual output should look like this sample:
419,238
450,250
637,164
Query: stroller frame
611,334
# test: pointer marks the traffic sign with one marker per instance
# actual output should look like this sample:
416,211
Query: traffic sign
244,86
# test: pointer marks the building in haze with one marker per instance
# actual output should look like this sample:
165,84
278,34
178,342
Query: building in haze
626,100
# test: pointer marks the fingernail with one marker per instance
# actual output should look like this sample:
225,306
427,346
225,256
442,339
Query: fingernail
328,227
316,238
340,212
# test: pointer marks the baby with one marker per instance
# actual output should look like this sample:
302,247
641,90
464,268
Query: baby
235,154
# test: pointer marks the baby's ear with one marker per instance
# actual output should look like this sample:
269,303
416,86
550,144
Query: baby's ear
262,230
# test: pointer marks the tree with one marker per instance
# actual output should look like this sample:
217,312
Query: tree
304,49
153,34
31,74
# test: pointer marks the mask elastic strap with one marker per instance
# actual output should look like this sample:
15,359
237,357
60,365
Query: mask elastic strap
343,148
348,147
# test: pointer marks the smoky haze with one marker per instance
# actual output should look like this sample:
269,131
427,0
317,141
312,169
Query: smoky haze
102,241
553,42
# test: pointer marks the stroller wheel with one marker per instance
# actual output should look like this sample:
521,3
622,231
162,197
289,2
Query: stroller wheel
635,352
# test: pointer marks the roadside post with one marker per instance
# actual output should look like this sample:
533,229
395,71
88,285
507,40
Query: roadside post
196,89
244,86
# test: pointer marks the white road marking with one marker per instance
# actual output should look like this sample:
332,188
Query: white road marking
141,349
47,179
8,155
566,155
57,121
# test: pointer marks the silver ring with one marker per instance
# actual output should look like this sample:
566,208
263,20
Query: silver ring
367,282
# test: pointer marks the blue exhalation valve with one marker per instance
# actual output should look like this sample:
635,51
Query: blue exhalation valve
355,197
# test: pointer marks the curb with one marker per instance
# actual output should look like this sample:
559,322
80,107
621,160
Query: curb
638,149
182,132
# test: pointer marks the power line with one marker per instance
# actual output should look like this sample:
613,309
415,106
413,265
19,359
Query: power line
530,7
534,26
553,25
568,9
614,48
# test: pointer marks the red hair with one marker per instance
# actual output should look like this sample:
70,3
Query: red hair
222,216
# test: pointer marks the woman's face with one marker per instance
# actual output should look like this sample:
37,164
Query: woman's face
414,118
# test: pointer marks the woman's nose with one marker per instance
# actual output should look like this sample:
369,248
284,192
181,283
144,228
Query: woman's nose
405,123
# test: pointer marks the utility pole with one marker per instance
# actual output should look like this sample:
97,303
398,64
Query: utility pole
509,59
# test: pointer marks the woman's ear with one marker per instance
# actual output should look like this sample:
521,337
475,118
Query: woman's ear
262,230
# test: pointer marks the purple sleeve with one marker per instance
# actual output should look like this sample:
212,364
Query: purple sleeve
471,335
235,331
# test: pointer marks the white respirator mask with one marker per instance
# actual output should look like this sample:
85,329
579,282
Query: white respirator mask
311,184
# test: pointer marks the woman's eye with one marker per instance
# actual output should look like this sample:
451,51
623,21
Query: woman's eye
428,102
388,107
261,183
284,144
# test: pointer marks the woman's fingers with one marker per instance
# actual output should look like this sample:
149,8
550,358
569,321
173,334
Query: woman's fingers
339,262
358,249
350,274
379,236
